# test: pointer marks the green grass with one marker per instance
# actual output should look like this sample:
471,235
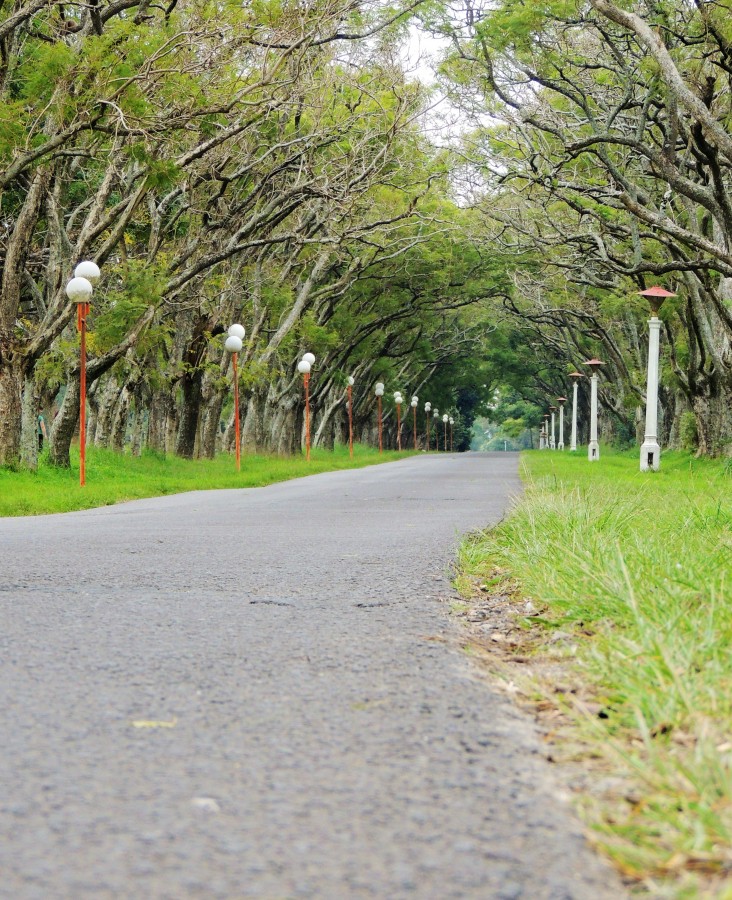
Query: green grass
637,569
113,477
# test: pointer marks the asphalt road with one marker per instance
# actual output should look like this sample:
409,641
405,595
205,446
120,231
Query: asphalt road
239,694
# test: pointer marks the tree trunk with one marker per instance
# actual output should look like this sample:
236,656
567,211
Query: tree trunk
138,422
118,431
106,403
252,427
211,425
161,404
190,407
64,426
713,413
11,387
29,424
92,397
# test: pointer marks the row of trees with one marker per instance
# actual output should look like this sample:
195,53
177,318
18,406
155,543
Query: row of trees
268,163
260,163
600,157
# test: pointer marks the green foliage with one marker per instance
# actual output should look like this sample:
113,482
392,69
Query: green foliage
121,306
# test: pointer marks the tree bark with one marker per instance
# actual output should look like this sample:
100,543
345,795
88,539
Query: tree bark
11,387
64,426
29,426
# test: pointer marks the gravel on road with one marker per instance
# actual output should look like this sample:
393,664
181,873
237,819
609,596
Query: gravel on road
258,694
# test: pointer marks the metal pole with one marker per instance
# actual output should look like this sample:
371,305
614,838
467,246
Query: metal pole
307,416
427,416
237,430
350,420
381,439
415,427
399,426
82,313
573,441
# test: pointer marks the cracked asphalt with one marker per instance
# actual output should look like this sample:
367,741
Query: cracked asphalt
237,694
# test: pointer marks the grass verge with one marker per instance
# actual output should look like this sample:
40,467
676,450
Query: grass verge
605,600
114,477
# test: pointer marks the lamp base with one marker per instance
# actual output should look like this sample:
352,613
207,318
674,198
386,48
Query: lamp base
650,456
593,451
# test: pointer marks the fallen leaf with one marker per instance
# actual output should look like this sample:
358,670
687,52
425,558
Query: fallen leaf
153,723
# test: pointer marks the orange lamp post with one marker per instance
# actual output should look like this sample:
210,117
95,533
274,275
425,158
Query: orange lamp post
79,290
427,410
351,382
398,399
415,401
379,391
234,344
304,367
452,434
444,422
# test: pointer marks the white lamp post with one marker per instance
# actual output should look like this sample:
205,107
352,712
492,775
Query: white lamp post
304,367
444,422
575,376
427,410
398,400
553,442
546,431
234,344
593,448
415,401
351,382
379,391
79,290
561,401
650,453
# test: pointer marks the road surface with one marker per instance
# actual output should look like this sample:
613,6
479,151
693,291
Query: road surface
258,694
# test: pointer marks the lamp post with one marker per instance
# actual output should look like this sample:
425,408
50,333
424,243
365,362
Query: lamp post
593,448
561,401
79,291
415,401
553,442
398,399
575,376
304,367
436,416
444,422
546,431
452,434
427,410
650,453
379,391
351,382
234,344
